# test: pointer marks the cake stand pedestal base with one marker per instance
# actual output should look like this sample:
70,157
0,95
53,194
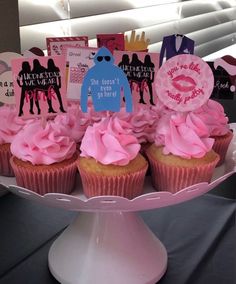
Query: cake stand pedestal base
105,248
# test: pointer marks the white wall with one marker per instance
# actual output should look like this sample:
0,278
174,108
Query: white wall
9,26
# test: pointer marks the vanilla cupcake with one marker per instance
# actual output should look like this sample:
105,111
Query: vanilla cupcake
110,163
44,159
10,125
213,115
182,154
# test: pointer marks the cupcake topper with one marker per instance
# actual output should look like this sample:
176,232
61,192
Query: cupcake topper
6,81
39,86
78,62
4,67
184,82
33,52
140,69
228,63
111,41
55,44
105,83
136,43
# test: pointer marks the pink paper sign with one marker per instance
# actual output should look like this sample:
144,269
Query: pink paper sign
228,63
140,69
39,85
184,82
79,60
55,44
111,41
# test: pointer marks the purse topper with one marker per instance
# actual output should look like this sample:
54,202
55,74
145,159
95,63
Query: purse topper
184,83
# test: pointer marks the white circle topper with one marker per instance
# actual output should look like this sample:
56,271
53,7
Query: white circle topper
184,82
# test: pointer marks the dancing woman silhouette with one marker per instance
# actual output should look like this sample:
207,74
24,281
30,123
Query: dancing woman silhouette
56,85
151,73
26,89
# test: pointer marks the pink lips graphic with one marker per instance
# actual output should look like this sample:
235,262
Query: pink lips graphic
180,81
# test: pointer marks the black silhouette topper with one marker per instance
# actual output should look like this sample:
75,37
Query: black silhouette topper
140,69
39,86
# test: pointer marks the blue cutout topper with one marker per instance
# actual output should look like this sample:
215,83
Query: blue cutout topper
105,82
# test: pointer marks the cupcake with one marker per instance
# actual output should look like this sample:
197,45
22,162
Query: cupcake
75,123
110,163
182,154
213,115
44,159
10,125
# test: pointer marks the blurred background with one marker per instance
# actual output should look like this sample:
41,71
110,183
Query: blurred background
211,24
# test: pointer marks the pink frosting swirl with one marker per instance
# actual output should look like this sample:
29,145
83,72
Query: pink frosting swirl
10,124
143,122
77,121
184,135
94,116
160,109
43,146
213,115
110,141
74,121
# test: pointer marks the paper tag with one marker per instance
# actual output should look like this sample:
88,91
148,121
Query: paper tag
79,60
227,63
33,52
4,67
184,82
140,69
111,41
55,44
223,88
39,85
6,86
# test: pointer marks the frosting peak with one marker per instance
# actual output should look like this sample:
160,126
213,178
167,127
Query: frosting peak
10,124
143,122
184,135
213,115
110,141
43,146
74,122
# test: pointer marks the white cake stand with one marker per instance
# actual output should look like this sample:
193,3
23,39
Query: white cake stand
108,243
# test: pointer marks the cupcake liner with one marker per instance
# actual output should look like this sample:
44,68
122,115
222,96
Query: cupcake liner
221,145
128,185
173,179
5,166
54,180
143,151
